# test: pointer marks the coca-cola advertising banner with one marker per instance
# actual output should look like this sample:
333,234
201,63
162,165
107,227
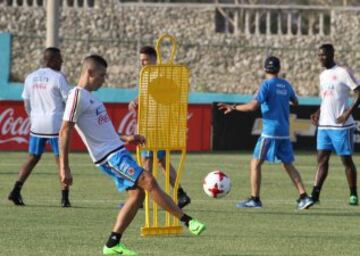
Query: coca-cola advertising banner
15,126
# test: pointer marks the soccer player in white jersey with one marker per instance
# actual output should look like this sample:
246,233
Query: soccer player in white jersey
88,115
273,98
148,56
334,121
45,93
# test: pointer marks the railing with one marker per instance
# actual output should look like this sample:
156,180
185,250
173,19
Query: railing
266,20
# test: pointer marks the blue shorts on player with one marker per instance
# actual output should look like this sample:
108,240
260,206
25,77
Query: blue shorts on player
340,140
123,169
274,150
37,145
149,154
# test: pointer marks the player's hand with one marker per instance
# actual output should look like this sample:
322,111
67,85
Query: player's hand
226,107
315,118
136,139
65,176
343,118
132,105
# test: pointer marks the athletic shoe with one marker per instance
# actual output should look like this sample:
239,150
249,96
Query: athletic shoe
304,203
183,200
196,227
118,249
65,203
249,203
353,200
16,198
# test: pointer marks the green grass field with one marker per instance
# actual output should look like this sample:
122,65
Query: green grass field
43,228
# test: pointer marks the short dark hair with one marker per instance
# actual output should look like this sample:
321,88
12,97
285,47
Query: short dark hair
97,59
50,53
148,50
52,50
327,48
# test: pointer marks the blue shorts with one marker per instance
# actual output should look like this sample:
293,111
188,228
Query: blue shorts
123,169
274,150
340,141
147,154
37,145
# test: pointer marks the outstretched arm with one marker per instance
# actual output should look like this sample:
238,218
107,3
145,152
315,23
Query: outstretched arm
344,117
248,107
64,137
133,139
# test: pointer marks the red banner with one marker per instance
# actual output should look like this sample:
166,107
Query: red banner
15,126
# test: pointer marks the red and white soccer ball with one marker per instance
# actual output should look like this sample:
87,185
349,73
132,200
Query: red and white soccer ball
217,184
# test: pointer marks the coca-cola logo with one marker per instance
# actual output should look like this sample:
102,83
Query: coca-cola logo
39,86
128,125
102,119
13,128
189,116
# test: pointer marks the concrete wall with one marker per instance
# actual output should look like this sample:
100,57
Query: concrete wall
220,62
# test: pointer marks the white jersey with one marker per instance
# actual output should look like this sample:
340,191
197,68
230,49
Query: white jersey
47,91
335,86
93,124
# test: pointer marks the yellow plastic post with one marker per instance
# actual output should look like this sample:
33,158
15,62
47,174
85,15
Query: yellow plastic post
162,117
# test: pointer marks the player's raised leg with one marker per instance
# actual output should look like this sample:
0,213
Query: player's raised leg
138,181
148,183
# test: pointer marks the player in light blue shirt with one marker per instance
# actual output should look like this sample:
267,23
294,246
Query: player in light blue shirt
273,97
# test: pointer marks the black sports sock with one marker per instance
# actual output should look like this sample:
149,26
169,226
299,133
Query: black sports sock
255,198
18,185
185,219
316,192
181,191
65,194
303,195
353,191
113,240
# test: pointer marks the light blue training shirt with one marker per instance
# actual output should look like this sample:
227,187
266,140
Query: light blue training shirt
274,96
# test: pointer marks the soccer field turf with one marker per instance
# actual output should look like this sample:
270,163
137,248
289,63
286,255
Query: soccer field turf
43,228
